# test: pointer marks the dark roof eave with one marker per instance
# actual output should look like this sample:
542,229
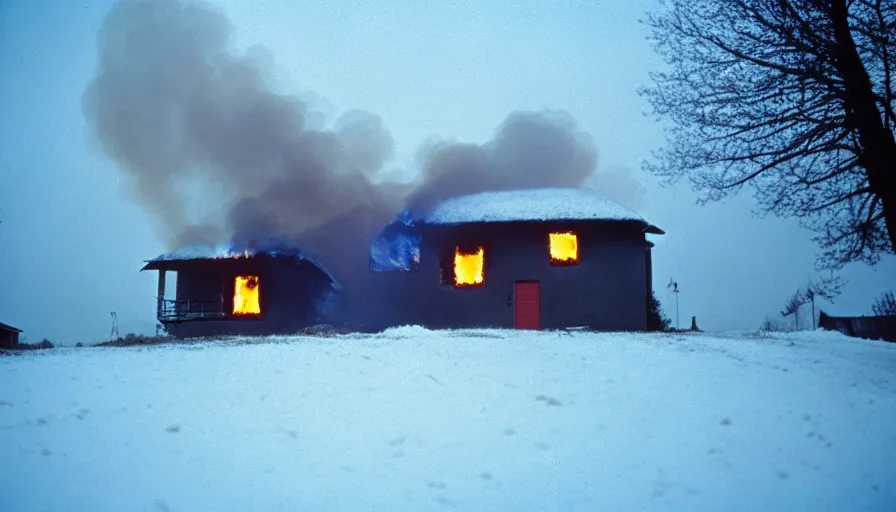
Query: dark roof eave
168,264
161,264
5,327
171,264
653,230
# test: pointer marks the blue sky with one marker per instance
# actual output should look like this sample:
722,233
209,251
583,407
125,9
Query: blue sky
73,239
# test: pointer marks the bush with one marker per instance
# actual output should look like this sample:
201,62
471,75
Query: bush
656,318
774,325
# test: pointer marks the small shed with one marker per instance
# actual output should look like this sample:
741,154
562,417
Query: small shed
9,336
528,259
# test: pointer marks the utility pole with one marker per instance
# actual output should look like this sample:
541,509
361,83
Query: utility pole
114,335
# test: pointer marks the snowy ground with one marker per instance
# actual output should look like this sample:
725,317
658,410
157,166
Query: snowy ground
479,420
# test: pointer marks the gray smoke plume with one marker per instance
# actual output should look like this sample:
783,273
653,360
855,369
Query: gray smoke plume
215,153
530,150
198,126
620,184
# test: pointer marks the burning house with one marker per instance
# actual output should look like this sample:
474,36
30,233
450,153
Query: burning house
270,289
528,259
235,158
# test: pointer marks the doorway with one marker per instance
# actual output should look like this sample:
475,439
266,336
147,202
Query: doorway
527,305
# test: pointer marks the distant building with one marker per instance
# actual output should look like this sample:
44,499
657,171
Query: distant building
272,289
526,259
9,336
869,327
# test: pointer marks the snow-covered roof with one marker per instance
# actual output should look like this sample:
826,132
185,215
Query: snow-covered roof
275,247
543,204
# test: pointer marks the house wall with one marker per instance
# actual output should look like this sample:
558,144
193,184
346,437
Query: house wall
288,292
607,290
8,339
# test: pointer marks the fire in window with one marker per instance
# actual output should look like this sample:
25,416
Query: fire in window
564,248
468,268
245,296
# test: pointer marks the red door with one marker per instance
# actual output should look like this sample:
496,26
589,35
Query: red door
527,305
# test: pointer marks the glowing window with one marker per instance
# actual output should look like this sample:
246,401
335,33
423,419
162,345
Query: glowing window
564,248
468,268
245,296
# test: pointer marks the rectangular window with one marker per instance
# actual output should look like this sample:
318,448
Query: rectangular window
246,296
564,248
469,268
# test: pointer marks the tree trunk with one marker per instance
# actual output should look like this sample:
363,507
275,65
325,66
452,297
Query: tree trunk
814,326
877,142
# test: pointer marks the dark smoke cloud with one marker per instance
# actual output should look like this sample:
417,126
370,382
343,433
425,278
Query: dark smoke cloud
216,154
530,150
174,104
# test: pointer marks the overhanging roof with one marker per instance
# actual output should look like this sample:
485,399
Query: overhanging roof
233,251
5,327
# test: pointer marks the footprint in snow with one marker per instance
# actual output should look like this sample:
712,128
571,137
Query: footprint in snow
444,501
548,399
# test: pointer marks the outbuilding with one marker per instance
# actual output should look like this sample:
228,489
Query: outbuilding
528,259
9,336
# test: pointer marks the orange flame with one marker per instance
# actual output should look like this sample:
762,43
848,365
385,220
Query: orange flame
245,296
564,248
468,268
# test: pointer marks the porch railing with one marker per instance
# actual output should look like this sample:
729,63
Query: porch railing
189,310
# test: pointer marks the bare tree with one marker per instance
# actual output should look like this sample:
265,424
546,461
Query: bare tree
827,288
793,307
794,98
885,305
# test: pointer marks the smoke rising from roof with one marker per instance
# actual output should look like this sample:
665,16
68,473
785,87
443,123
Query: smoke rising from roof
620,184
215,153
530,150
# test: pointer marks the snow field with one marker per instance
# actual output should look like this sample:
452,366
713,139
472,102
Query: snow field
412,419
